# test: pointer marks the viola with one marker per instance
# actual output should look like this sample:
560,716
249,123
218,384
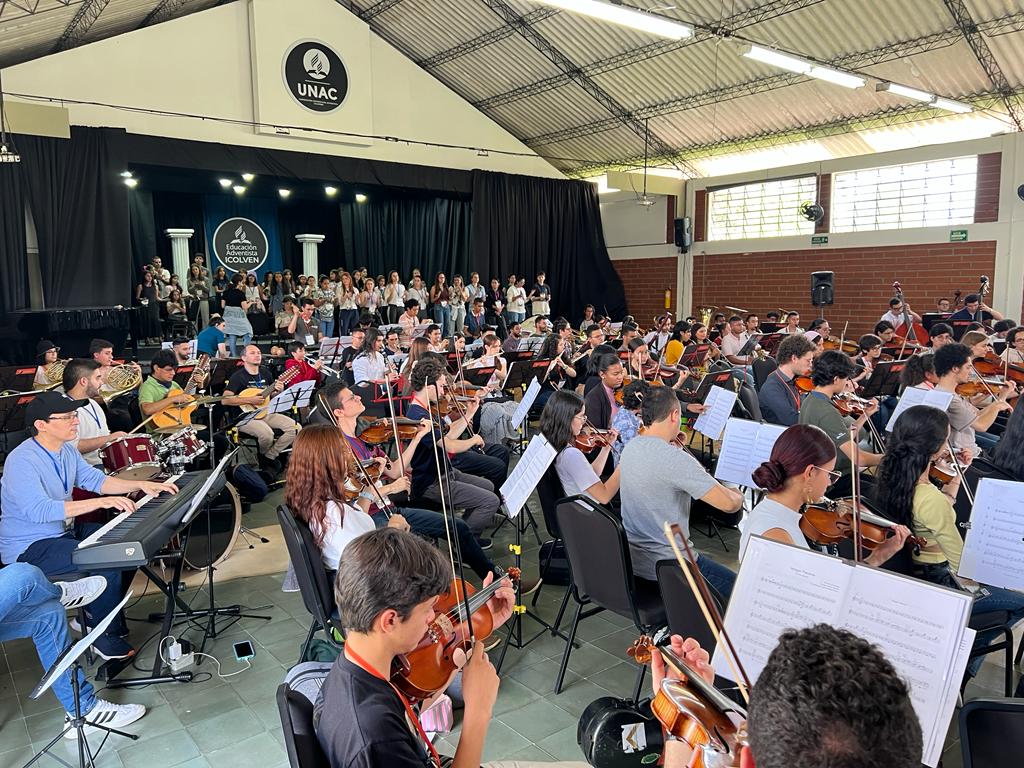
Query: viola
841,345
977,387
942,472
382,430
427,669
831,522
694,711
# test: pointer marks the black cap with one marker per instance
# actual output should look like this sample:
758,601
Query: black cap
44,346
46,404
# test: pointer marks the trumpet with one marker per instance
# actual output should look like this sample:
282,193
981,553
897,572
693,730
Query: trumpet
120,379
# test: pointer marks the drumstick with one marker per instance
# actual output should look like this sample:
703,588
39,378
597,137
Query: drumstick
145,423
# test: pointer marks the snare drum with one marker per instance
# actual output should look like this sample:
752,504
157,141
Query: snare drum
132,457
181,447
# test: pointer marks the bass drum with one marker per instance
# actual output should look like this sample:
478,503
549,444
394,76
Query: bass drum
224,515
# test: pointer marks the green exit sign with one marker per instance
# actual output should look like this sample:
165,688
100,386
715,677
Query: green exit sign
958,236
819,240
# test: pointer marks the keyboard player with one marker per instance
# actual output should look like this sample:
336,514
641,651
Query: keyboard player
38,522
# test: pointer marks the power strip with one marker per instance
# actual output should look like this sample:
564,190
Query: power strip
180,656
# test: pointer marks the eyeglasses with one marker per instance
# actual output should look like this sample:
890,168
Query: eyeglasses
65,417
833,476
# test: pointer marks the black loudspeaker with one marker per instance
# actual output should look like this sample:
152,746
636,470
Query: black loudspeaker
1020,191
822,288
683,238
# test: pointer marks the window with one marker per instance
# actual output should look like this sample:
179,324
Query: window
936,193
764,209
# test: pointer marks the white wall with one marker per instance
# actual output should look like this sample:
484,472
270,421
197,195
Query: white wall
203,64
634,231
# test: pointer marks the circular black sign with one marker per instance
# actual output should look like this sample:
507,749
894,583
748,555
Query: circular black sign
315,76
240,245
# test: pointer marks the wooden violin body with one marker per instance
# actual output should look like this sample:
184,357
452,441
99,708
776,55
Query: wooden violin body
382,431
591,438
831,522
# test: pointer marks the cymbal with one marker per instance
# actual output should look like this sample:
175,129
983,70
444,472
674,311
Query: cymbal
169,430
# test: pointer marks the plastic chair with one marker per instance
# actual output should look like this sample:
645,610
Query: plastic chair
991,732
681,608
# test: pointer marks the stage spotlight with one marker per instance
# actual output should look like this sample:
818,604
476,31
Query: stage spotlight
330,191
248,176
239,189
126,174
131,183
224,183
284,193
361,198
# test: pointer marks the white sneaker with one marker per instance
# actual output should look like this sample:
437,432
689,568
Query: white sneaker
75,594
109,714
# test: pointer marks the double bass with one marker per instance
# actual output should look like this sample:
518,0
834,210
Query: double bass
908,329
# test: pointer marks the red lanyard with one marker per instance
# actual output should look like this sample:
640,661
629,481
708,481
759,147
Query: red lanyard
790,387
409,713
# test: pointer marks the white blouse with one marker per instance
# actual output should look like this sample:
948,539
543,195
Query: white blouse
771,514
340,532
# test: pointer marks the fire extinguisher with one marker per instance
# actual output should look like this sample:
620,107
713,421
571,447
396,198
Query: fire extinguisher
668,298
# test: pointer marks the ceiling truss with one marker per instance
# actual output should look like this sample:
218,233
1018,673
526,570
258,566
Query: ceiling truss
80,25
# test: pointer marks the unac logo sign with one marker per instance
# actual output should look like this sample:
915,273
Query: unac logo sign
315,76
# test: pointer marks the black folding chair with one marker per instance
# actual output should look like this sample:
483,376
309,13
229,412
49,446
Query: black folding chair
314,583
997,621
602,574
299,735
549,491
991,733
681,608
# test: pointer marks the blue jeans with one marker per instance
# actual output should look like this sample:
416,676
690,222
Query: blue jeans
327,327
742,372
432,525
233,343
347,320
985,441
443,317
717,575
30,607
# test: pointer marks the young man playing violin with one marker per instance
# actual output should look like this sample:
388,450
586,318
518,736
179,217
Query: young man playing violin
388,584
779,396
967,423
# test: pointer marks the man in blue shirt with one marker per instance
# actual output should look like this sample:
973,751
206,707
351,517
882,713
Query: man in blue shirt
35,495
210,340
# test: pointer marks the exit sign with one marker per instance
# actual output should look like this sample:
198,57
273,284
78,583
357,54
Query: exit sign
958,236
819,240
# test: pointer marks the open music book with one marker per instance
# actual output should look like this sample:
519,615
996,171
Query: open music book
528,471
719,404
936,398
921,628
745,444
994,549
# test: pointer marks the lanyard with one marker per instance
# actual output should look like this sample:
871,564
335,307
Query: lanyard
92,412
58,468
789,388
410,715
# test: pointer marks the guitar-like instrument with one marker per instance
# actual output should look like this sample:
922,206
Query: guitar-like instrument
181,415
266,392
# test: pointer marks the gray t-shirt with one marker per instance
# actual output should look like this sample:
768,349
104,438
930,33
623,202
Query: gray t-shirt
657,482
961,416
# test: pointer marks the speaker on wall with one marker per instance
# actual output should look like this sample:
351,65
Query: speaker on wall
683,236
822,288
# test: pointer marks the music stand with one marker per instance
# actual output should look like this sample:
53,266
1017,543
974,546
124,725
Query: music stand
479,376
884,380
69,661
522,371
960,327
292,398
17,378
750,346
721,378
12,414
770,342
928,319
770,328
694,354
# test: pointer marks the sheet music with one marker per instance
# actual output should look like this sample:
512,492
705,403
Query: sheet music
745,444
526,403
919,627
933,754
936,398
994,549
516,489
719,404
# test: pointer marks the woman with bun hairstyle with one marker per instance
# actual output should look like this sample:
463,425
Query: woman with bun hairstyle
799,471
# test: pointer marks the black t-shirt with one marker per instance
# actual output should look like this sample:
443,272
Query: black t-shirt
241,380
361,722
233,297
424,461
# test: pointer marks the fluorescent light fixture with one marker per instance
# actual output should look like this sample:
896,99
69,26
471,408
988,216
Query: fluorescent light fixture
361,198
778,59
131,183
284,193
239,189
905,91
952,106
627,17
330,191
224,183
126,174
837,77
248,176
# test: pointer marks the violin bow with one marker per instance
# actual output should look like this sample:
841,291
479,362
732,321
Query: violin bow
707,606
394,426
856,493
960,472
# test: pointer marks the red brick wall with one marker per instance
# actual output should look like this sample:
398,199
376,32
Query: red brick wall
986,201
863,279
645,281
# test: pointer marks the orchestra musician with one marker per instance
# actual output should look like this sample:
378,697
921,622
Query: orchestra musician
1014,352
628,333
820,325
588,318
297,359
39,476
894,316
160,391
886,331
677,342
627,421
182,349
779,396
792,323
732,343
82,382
942,305
46,354
941,334
563,419
752,324
658,338
370,365
952,367
600,400
409,320
974,310
562,372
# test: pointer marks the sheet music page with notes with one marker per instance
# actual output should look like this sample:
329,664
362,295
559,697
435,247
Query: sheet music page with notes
918,626
523,478
745,445
936,398
994,549
719,404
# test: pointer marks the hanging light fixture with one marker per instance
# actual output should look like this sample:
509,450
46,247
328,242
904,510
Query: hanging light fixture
635,18
8,152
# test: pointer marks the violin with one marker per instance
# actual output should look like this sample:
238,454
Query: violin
427,669
591,438
804,383
831,522
382,430
993,365
977,387
841,345
848,404
942,472
356,481
694,711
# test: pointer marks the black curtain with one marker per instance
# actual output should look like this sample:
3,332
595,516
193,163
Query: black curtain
80,210
402,233
298,217
14,285
178,210
142,230
524,225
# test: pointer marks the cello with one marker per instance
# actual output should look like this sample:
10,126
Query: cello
908,329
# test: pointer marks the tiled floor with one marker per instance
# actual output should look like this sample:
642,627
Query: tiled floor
234,722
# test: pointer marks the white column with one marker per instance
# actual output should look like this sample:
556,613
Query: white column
180,253
310,246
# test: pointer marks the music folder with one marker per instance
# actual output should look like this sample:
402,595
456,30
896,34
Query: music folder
884,380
